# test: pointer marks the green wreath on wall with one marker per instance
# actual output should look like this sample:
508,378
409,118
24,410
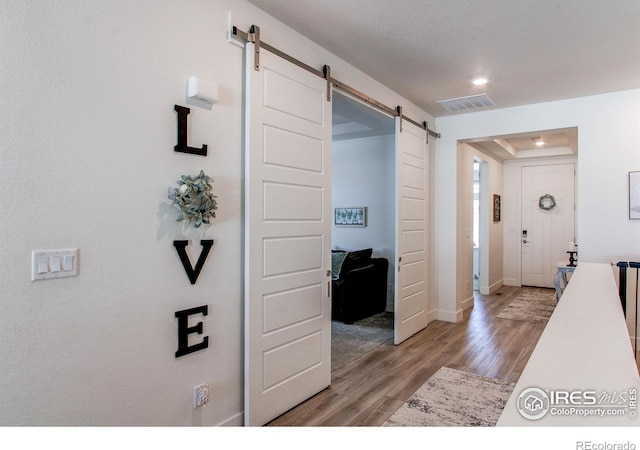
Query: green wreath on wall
547,202
194,199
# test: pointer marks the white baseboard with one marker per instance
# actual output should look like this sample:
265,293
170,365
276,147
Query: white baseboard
495,286
511,282
233,421
448,316
468,303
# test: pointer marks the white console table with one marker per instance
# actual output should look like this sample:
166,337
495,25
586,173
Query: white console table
584,347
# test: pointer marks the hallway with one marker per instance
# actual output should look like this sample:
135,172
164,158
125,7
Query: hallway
369,390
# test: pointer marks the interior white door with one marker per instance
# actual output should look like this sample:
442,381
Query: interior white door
287,237
546,234
411,301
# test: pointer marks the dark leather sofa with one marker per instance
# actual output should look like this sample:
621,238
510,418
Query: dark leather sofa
359,285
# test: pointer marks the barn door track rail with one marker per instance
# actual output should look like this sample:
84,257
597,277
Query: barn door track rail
254,36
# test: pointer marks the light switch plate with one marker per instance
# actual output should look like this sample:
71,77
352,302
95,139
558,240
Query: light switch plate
54,269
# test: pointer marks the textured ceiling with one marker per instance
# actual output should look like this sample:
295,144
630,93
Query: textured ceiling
429,50
355,120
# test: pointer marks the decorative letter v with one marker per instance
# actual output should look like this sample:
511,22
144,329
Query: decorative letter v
192,273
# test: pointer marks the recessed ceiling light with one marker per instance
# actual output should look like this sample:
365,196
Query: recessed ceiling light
539,141
480,81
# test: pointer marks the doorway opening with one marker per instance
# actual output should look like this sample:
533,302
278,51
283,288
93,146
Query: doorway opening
363,246
521,240
287,227
480,234
476,225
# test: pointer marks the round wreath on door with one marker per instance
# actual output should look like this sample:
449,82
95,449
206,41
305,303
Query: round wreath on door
547,202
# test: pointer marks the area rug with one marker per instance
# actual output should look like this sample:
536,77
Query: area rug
452,398
535,305
349,342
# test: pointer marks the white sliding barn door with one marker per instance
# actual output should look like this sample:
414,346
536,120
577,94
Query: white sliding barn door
411,248
287,237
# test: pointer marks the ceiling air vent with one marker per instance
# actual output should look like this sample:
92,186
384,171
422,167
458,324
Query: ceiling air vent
467,103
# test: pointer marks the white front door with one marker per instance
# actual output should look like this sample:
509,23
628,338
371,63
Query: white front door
546,233
411,302
287,237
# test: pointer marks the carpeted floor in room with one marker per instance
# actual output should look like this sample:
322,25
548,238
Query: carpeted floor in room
349,342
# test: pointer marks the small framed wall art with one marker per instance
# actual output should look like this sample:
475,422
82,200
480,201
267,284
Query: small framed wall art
496,208
350,217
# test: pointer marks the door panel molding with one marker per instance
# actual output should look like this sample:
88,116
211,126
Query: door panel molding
411,303
287,201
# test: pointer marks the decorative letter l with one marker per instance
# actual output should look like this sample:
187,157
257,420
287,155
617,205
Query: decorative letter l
182,146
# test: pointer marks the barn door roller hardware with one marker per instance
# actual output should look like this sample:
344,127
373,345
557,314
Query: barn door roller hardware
254,36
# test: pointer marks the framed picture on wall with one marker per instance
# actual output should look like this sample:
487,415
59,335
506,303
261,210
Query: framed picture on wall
496,208
350,217
634,195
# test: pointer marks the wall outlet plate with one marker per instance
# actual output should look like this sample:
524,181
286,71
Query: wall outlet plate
201,395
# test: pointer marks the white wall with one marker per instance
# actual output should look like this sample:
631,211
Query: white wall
86,157
363,172
609,143
494,232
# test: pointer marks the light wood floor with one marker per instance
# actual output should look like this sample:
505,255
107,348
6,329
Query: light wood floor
368,390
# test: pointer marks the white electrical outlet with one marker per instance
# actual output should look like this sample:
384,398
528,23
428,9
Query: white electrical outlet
201,395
